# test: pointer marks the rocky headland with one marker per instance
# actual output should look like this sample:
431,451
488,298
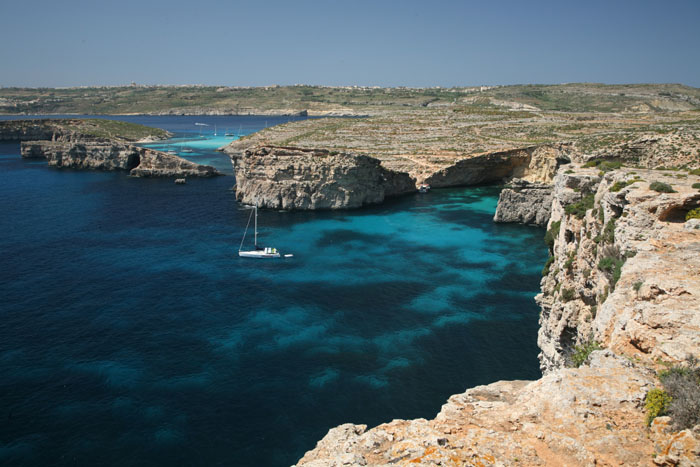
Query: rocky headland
620,301
113,155
305,179
99,145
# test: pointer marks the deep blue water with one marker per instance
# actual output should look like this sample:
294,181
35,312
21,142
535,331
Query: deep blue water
132,334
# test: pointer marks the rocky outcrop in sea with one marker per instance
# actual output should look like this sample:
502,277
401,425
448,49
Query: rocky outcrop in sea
99,145
305,179
112,155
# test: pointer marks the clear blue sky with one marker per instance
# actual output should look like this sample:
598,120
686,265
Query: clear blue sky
401,43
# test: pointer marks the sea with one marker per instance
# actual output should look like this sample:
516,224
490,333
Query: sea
131,333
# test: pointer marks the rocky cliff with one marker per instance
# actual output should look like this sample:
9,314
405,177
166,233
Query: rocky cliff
624,276
113,155
525,203
293,178
625,267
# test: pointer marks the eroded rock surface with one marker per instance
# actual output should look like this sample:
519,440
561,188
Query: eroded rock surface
651,310
292,178
525,203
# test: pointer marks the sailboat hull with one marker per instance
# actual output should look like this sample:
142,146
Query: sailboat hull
258,254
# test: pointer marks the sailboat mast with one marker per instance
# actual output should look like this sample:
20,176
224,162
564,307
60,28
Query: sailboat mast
256,226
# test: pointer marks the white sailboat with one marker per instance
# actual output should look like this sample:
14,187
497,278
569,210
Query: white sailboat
258,252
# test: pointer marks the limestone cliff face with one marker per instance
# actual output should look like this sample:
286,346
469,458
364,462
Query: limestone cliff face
524,203
293,178
106,155
625,272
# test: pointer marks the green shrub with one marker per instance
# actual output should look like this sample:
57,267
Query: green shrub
579,208
606,264
607,166
603,165
582,352
656,404
568,294
569,264
637,285
612,266
694,172
683,386
609,232
551,234
693,214
547,265
696,185
617,186
661,187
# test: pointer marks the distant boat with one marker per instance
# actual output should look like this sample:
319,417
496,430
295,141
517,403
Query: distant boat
258,252
424,188
200,125
183,149
228,133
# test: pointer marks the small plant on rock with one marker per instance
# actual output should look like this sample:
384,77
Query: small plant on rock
583,351
579,208
661,187
617,186
568,294
682,383
693,214
656,404
551,234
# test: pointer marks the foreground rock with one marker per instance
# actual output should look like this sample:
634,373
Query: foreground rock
105,155
292,178
586,416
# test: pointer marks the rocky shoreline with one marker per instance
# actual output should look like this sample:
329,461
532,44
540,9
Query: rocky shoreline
99,145
643,313
113,155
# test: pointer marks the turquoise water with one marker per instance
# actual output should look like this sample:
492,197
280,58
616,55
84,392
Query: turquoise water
133,334
199,148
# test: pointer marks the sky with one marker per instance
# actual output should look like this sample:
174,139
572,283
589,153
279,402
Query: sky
368,43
